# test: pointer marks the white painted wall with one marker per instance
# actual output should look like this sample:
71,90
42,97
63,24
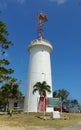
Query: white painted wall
39,71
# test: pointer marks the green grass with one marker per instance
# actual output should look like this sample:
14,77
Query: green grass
32,119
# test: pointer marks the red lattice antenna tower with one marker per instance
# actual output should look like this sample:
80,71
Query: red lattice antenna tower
41,19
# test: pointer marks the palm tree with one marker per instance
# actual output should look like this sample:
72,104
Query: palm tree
10,90
61,93
42,88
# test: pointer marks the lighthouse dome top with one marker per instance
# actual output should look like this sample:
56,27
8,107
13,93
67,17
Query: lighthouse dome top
41,42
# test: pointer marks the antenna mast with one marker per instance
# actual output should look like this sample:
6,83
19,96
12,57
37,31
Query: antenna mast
41,19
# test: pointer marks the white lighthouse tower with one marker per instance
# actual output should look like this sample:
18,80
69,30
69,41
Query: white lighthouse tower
39,68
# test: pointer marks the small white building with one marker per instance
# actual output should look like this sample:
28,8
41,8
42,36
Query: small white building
16,103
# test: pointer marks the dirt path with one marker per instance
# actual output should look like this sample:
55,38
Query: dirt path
11,128
24,128
75,127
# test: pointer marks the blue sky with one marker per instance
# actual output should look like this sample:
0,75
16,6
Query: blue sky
63,30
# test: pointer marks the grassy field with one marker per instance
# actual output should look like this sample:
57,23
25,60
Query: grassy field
33,119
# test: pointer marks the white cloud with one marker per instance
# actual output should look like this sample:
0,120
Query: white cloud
58,1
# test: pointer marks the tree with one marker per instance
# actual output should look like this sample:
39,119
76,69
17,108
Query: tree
5,72
42,88
61,93
4,45
74,102
8,91
65,101
9,88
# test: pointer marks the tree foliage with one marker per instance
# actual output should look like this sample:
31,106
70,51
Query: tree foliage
8,91
4,46
74,102
61,93
65,100
42,88
9,87
4,43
